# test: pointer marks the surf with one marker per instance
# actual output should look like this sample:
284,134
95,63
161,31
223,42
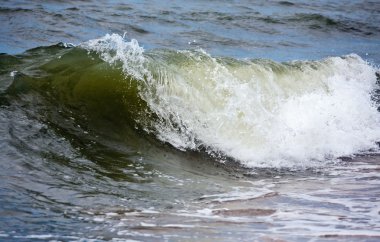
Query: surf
258,112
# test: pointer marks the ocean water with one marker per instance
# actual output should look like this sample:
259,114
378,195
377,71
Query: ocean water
189,121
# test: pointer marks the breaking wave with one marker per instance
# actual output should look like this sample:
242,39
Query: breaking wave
260,113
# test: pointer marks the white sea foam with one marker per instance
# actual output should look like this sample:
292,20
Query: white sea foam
113,49
261,113
13,73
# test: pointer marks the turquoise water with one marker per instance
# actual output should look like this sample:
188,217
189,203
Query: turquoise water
196,121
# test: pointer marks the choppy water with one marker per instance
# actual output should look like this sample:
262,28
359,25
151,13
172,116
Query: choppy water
217,120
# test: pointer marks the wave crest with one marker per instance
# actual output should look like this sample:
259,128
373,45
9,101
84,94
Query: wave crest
259,112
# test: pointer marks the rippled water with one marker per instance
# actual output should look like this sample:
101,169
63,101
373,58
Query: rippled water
208,120
280,30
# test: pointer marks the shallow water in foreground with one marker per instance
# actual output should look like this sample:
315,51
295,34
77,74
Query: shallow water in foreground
192,138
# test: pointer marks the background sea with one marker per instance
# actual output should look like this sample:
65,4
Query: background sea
189,120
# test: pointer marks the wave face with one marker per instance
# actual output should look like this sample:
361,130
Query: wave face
258,112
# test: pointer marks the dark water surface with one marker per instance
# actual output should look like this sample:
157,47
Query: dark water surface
279,30
189,120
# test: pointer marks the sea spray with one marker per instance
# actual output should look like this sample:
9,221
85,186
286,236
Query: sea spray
258,112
